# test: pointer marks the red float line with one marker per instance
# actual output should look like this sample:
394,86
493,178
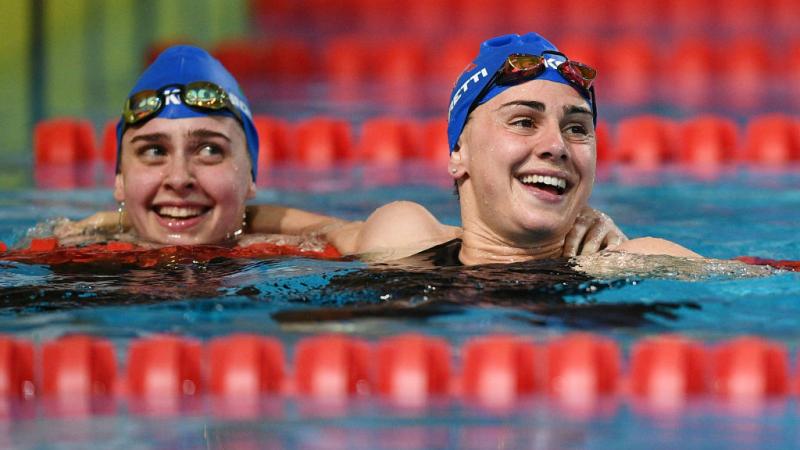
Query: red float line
580,372
63,146
48,251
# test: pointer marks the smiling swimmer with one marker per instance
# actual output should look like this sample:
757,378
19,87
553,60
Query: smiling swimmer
522,153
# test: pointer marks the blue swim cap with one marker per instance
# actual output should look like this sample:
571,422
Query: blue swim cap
183,64
493,54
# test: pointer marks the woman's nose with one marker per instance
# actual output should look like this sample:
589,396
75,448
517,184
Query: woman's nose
179,176
552,145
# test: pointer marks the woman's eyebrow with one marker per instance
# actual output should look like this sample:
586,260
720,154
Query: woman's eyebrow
574,109
204,133
538,106
150,137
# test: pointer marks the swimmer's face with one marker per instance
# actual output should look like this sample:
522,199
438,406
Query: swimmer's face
185,181
513,148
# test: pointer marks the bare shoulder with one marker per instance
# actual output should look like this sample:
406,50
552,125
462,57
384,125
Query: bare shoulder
402,227
654,246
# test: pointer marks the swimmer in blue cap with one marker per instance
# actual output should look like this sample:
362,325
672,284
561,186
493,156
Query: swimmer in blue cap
521,130
187,151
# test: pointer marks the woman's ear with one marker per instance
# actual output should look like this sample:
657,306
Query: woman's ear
119,188
457,166
251,190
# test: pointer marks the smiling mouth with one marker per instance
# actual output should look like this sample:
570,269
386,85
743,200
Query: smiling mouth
180,212
554,185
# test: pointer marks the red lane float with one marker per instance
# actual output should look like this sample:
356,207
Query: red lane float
388,141
581,367
744,63
750,368
246,365
772,140
47,251
16,368
323,142
689,75
784,264
273,141
436,148
498,370
412,368
630,64
79,375
244,58
288,60
402,62
63,150
345,60
645,142
603,139
666,371
109,143
63,141
332,367
164,375
708,141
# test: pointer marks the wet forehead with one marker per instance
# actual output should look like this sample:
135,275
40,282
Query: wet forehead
543,95
183,127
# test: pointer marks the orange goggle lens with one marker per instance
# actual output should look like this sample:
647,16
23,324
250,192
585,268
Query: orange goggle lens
519,67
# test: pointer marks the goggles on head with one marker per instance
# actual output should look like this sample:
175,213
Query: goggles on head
519,68
203,95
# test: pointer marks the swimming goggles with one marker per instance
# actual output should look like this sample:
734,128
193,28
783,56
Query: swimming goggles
205,95
519,68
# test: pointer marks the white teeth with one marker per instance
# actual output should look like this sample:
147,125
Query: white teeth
541,179
179,211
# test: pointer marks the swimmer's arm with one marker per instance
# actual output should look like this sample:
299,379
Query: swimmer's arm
103,221
654,246
400,229
274,219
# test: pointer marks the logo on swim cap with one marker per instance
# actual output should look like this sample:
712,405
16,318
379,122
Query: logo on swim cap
172,96
473,80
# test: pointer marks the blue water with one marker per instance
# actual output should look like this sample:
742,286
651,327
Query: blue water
739,213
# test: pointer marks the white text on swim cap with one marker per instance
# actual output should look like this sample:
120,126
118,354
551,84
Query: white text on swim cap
554,61
242,106
171,96
475,78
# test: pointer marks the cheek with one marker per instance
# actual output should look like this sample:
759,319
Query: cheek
226,185
140,185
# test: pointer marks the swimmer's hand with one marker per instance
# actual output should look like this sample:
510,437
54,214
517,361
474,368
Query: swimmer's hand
103,222
592,232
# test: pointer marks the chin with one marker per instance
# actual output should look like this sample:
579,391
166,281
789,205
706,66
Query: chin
544,222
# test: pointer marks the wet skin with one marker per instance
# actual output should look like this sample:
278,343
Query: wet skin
185,181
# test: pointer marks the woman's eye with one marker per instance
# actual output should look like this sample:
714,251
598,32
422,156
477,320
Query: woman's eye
524,122
577,130
211,151
152,153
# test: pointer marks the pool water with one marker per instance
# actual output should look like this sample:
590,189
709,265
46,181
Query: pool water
739,212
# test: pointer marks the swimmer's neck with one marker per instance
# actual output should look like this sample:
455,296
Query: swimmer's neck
479,247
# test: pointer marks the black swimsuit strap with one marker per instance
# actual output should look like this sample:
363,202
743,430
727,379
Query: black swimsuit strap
442,255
